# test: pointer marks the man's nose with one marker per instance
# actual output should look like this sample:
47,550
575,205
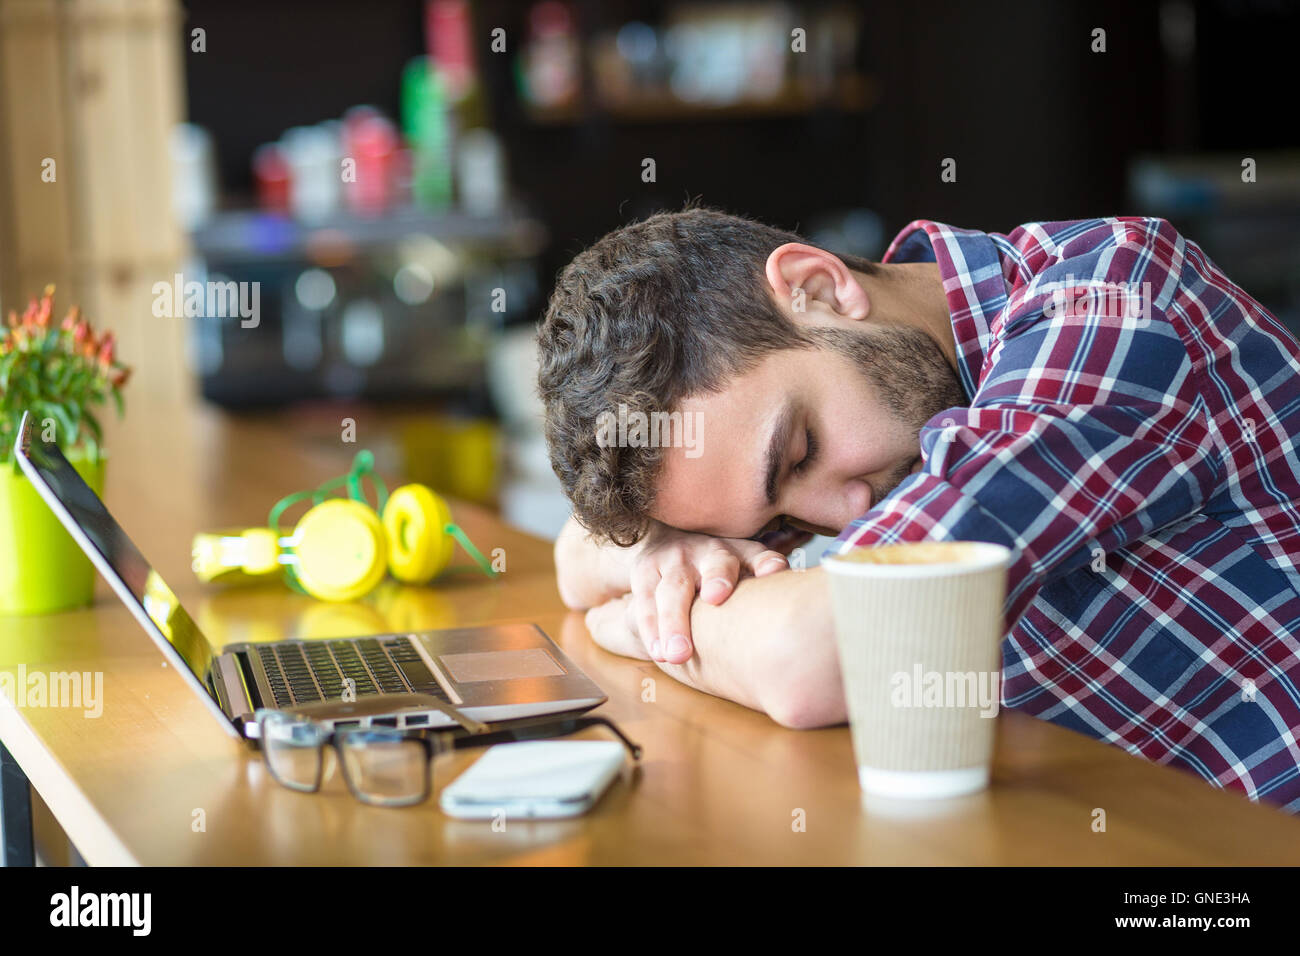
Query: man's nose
826,513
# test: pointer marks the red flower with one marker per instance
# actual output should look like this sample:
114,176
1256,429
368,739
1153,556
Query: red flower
106,347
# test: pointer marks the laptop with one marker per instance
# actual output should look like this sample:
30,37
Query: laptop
491,673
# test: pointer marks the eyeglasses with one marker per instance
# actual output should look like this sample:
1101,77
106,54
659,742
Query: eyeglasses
385,766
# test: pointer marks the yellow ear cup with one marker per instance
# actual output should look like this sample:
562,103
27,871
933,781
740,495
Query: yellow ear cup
418,544
340,549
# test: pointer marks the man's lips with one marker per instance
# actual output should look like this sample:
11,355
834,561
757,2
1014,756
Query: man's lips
785,538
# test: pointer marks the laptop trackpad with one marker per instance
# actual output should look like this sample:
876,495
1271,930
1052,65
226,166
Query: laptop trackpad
500,665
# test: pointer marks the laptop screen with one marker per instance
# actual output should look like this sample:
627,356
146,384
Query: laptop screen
106,536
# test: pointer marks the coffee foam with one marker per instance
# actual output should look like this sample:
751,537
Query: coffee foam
921,552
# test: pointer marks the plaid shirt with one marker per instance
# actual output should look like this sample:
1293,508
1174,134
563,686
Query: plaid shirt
1142,466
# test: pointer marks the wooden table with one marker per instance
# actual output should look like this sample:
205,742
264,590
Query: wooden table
719,784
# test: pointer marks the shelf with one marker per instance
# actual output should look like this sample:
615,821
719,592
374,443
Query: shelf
242,234
855,94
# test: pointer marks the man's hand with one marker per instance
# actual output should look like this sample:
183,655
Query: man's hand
613,627
663,573
770,646
671,568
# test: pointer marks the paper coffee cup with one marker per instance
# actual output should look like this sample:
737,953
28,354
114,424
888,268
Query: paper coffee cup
919,628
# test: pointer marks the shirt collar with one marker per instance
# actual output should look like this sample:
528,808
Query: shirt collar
971,270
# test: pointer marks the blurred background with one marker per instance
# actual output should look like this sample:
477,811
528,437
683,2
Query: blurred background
399,181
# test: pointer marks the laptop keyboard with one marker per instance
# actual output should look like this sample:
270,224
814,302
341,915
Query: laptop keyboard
302,672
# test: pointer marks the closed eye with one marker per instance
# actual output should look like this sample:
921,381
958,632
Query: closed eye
799,468
810,453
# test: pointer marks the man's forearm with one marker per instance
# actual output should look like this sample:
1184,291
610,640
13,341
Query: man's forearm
770,646
587,573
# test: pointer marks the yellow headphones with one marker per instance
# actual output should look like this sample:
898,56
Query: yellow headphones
342,547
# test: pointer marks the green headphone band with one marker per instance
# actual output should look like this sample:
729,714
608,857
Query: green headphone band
473,552
363,465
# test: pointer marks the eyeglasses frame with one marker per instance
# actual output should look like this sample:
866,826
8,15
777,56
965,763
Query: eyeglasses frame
434,741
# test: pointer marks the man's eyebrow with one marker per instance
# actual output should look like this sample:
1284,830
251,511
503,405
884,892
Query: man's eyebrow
776,450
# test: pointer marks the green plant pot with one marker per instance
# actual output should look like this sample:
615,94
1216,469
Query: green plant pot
41,567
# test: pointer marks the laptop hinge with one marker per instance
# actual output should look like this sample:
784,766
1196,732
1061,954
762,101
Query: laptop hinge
237,701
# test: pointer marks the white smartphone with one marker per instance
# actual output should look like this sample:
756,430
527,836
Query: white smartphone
541,779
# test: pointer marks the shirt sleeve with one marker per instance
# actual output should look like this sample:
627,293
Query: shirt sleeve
1088,432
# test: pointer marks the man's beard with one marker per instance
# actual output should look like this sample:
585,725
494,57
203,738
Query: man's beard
880,487
910,374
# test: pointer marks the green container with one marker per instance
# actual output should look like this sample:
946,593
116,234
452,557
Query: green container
41,567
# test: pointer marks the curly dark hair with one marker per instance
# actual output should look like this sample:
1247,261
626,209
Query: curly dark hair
655,311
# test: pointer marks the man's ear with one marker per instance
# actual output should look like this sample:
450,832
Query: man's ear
820,276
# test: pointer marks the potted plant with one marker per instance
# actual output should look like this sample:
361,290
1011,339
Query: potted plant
60,372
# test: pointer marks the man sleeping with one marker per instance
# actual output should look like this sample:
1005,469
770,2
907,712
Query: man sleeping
1096,395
